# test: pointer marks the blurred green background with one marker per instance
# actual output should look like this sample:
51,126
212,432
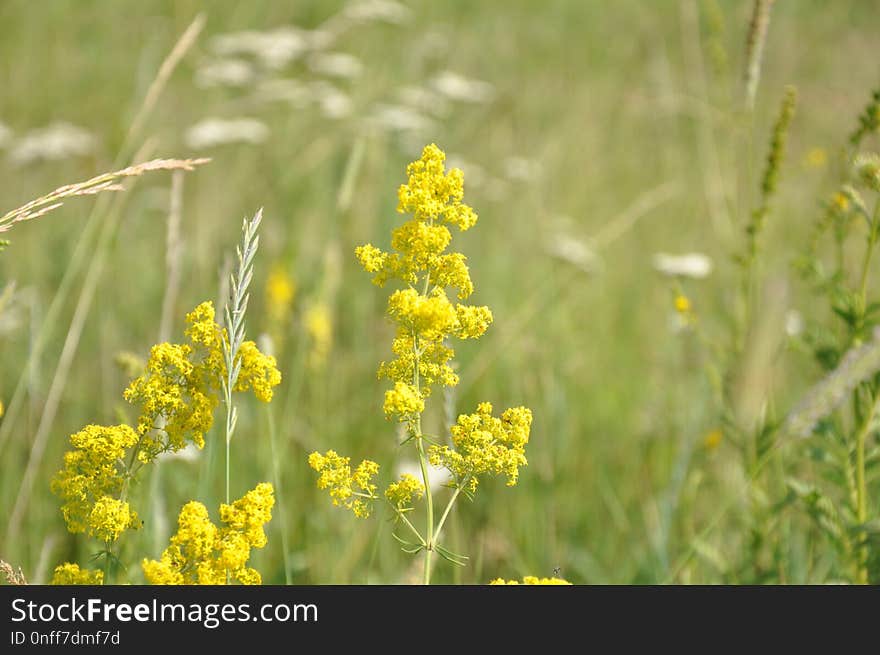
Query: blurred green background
592,135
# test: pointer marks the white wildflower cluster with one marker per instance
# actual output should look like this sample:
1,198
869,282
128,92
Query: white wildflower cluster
51,143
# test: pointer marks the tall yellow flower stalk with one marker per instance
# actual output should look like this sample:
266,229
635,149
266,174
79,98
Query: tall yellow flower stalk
426,319
176,395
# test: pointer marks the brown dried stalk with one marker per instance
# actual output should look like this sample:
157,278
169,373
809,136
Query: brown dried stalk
105,182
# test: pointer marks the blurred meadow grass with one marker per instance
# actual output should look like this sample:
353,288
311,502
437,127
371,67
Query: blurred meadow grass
603,134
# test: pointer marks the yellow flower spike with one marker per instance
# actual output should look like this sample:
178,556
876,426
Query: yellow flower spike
426,320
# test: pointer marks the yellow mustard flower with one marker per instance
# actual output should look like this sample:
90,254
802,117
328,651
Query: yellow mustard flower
531,580
483,443
682,304
840,202
71,574
110,517
422,310
181,385
280,293
258,372
713,439
402,492
92,472
350,490
403,400
202,553
319,327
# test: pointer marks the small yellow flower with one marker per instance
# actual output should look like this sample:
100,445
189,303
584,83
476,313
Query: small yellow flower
816,158
485,444
682,304
71,574
403,491
202,553
352,491
110,517
280,292
92,476
713,439
840,202
319,326
531,580
404,401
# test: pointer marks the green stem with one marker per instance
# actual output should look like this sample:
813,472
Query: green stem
230,428
410,526
429,542
862,494
866,262
449,508
276,470
108,546
423,460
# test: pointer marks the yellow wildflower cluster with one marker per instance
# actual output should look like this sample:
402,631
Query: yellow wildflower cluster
427,317
402,492
713,439
91,480
319,326
202,553
840,202
177,393
682,304
347,489
181,385
483,443
404,401
71,574
531,580
280,292
424,314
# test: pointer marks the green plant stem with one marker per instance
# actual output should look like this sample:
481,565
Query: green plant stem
869,252
862,493
423,464
429,541
411,527
230,428
449,508
276,471
420,448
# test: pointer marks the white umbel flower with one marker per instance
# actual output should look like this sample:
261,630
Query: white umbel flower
694,265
